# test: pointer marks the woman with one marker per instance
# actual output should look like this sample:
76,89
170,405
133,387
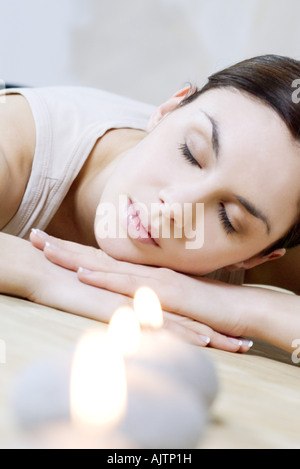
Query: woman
232,147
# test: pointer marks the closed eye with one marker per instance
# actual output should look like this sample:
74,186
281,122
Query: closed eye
185,151
225,220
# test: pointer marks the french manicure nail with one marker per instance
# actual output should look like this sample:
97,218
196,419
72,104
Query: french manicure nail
39,233
81,270
247,343
235,341
204,338
52,246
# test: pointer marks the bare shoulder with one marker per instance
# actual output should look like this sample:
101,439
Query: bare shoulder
282,273
17,144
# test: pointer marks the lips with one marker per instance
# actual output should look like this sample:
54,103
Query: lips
135,227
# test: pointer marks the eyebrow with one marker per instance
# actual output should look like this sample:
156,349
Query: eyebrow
254,211
245,203
215,138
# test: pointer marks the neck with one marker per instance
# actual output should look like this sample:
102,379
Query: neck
75,218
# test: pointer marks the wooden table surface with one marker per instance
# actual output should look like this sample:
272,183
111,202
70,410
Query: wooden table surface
258,405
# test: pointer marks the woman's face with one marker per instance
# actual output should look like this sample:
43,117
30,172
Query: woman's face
212,185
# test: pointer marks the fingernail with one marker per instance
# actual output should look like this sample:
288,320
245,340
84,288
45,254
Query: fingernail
235,341
204,338
247,343
39,233
52,246
81,270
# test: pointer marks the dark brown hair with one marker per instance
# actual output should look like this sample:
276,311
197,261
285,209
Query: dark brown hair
268,78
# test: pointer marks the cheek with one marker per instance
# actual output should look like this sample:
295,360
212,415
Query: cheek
111,247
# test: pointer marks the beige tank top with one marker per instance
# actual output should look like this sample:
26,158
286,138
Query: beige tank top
68,122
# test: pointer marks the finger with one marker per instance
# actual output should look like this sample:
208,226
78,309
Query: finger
72,256
72,260
246,345
186,334
40,238
222,342
204,336
126,284
106,264
230,344
217,339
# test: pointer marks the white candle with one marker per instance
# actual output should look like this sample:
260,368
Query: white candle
124,331
148,309
170,385
163,351
98,382
96,401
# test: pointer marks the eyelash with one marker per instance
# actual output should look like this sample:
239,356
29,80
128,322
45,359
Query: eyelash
222,212
225,220
188,155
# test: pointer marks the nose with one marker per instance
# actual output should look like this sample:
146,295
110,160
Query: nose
205,192
184,204
190,192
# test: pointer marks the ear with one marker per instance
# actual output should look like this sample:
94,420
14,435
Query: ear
256,260
169,106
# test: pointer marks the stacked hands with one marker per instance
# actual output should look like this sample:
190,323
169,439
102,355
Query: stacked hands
85,281
260,226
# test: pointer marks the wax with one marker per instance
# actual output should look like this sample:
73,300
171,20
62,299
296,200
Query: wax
41,394
170,386
186,364
161,412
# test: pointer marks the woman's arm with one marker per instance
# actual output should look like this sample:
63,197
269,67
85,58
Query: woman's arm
231,310
26,273
72,255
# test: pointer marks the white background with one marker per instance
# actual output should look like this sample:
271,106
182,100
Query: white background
145,49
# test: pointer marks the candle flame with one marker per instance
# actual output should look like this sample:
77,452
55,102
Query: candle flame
98,377
98,382
124,331
148,308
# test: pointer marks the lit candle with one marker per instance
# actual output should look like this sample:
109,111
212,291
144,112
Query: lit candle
164,351
98,382
148,309
171,384
124,331
97,400
147,386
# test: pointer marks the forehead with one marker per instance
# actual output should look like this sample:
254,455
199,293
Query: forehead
248,125
257,152
243,111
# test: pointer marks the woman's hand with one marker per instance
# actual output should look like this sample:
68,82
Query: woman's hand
180,295
190,329
26,273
